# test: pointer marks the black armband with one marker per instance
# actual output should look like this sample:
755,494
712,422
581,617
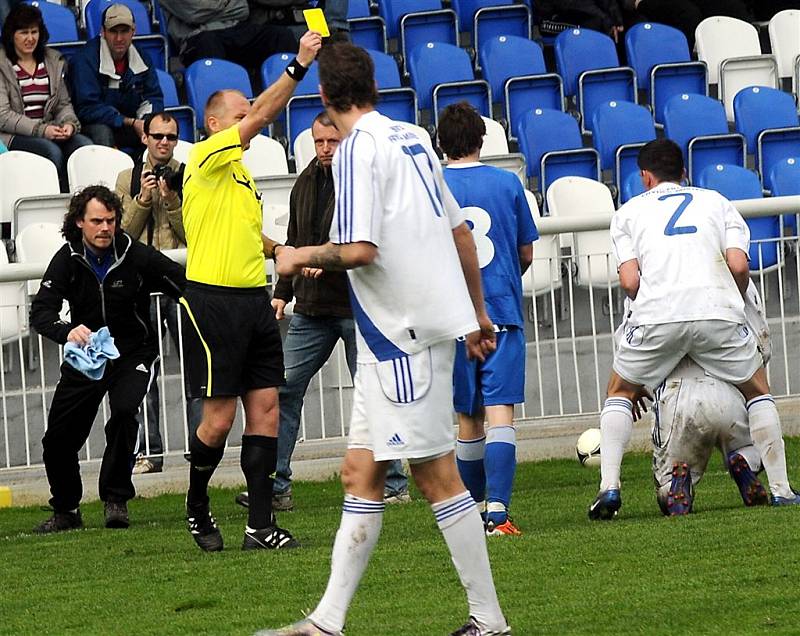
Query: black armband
295,70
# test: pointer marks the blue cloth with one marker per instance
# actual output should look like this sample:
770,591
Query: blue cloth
91,358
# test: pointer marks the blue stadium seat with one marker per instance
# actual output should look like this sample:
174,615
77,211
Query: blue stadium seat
274,66
553,148
768,120
631,186
698,124
620,130
487,19
587,61
785,180
185,115
154,44
659,55
442,74
366,30
735,182
60,23
393,10
516,72
396,102
207,75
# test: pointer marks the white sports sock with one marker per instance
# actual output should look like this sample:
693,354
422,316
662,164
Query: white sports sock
462,528
357,535
616,424
765,429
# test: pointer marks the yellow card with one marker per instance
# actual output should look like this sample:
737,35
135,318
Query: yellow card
315,20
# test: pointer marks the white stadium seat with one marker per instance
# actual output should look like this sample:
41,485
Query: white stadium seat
24,174
265,157
96,165
545,271
37,243
494,141
303,150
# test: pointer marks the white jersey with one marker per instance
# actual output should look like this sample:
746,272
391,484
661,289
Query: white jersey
390,192
679,236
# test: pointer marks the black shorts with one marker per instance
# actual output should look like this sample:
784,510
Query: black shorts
231,341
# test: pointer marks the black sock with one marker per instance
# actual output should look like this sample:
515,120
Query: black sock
203,462
259,458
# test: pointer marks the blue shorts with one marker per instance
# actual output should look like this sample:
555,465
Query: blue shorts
500,379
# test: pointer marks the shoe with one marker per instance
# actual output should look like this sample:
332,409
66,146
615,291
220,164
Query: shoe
680,497
750,488
243,499
606,506
473,629
144,465
60,522
269,538
204,529
396,497
116,513
302,628
506,528
786,501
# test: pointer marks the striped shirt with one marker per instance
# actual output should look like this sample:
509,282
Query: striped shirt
35,89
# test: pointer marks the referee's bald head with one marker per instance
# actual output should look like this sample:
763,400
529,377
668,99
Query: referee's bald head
224,108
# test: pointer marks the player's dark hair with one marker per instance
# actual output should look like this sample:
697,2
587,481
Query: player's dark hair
77,209
663,158
24,16
461,130
347,75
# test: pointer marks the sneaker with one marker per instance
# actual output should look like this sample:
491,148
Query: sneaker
507,528
606,505
680,497
270,538
144,465
473,629
396,497
750,488
116,513
59,522
302,628
786,501
204,529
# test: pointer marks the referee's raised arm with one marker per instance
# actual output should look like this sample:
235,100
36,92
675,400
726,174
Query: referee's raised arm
274,99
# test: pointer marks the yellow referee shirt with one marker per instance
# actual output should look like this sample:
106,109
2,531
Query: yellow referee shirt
222,215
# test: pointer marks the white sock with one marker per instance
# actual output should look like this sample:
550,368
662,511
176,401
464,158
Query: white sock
616,424
765,429
751,456
462,528
358,532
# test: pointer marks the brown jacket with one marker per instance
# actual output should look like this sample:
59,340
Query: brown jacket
57,110
167,218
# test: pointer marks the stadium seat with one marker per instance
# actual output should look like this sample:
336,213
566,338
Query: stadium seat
24,174
660,56
37,243
396,101
49,208
544,274
768,120
304,150
494,141
276,221
366,30
516,72
588,63
182,150
13,309
442,74
620,130
578,196
631,186
185,115
698,124
488,19
784,38
785,180
60,23
265,157
553,148
734,183
91,165
208,75
154,44
732,51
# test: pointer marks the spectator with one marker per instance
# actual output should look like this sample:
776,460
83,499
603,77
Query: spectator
97,250
36,113
114,85
290,13
222,29
600,15
152,213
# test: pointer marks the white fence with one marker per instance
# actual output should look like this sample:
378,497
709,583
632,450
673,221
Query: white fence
572,305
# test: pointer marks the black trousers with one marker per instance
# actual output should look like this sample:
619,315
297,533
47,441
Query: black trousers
685,15
72,412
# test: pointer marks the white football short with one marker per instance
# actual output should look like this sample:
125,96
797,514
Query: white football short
646,354
403,408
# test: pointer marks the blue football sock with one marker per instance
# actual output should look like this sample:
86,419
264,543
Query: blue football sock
501,464
469,458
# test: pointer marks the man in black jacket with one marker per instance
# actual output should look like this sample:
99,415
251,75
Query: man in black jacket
106,277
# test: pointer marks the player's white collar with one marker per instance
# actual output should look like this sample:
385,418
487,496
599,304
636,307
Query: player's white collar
471,164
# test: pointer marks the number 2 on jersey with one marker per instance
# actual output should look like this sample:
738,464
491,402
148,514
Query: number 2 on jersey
413,152
671,229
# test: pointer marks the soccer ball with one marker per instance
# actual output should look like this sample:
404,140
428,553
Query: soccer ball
588,447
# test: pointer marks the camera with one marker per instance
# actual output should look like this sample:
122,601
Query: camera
173,178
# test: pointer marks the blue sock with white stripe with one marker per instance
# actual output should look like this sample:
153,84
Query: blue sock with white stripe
616,425
357,535
463,532
501,465
469,459
765,429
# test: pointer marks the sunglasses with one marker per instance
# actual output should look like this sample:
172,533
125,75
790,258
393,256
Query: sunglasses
160,136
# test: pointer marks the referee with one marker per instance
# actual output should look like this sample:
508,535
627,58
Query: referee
232,344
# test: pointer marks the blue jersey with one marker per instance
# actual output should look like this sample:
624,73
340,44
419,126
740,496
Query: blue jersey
496,208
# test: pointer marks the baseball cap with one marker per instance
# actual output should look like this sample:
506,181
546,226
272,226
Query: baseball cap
117,15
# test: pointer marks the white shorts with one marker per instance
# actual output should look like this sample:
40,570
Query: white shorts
403,408
648,353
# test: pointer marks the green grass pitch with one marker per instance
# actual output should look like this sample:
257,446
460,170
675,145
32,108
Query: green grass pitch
725,569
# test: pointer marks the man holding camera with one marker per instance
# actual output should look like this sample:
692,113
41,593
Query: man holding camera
151,200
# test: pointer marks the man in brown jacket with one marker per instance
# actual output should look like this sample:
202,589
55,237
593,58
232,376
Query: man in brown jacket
151,200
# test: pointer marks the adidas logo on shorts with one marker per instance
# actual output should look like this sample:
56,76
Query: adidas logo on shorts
395,441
